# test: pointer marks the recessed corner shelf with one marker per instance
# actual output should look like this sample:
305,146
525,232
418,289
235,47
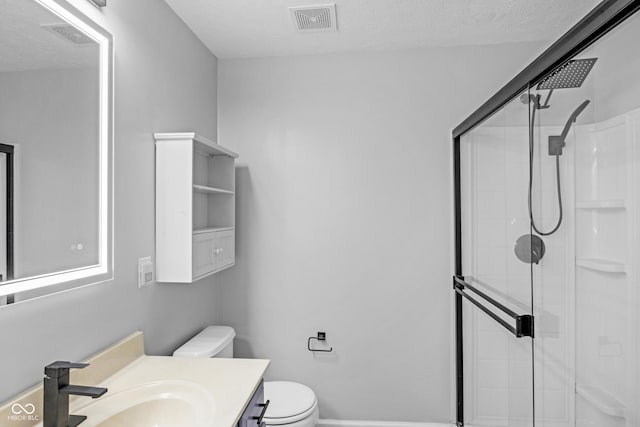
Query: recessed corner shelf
210,190
601,204
601,400
211,229
603,265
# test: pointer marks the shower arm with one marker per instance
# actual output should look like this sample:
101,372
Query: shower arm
546,101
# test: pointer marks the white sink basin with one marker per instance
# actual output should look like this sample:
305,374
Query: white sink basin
155,404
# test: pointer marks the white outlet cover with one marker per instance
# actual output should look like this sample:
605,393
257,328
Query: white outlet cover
145,272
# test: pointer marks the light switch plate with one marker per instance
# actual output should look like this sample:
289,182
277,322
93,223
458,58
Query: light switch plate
145,272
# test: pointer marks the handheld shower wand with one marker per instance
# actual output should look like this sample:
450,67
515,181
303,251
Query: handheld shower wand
557,142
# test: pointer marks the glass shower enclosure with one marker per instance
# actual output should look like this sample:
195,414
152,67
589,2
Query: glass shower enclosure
547,180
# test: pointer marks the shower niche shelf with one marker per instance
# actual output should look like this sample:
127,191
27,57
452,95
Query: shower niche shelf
599,234
210,190
601,204
603,265
195,207
600,399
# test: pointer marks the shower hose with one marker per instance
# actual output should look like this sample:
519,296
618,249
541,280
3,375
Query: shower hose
531,151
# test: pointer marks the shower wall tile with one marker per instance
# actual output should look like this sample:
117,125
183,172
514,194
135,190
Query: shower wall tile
493,373
492,345
491,261
491,205
555,404
493,402
520,402
518,373
492,233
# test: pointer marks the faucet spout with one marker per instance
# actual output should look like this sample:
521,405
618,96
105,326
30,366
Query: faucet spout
81,390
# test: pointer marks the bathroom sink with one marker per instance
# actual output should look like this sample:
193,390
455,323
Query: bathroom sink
156,404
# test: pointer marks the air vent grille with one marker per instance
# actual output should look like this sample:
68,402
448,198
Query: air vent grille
70,33
314,18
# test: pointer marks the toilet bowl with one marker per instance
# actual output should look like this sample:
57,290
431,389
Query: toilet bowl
291,404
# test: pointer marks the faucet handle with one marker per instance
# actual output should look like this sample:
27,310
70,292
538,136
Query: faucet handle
60,368
66,365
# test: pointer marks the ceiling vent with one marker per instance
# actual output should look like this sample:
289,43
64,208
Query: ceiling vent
70,33
316,18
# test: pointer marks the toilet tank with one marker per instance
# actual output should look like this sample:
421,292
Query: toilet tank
213,341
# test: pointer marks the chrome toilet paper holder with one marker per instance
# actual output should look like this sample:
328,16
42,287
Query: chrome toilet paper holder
322,336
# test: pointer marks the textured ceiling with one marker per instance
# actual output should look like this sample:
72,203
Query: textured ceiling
255,28
25,45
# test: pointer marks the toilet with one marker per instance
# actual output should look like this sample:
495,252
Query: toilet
291,404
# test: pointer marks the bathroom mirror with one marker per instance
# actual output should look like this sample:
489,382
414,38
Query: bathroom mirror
55,149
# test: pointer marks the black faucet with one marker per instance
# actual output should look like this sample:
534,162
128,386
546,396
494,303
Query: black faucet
56,394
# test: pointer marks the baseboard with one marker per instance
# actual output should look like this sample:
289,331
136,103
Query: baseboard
355,423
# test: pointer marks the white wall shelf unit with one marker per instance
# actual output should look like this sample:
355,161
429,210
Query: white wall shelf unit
195,207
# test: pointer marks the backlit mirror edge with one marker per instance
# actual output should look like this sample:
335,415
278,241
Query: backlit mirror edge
38,286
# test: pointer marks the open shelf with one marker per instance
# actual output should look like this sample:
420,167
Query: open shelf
603,265
601,204
601,400
210,190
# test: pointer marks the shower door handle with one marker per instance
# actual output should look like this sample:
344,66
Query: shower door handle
523,322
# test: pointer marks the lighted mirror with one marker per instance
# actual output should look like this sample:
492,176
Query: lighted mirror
55,149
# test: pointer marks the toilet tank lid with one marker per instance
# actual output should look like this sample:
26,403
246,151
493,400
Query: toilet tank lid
207,343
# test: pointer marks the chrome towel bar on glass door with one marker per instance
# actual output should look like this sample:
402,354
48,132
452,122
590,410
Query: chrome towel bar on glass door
524,322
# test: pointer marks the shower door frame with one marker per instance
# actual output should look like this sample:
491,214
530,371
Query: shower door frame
602,19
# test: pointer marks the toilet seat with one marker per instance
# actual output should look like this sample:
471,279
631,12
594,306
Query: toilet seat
291,420
289,402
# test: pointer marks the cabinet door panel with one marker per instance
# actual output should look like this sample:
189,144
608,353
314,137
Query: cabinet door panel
225,249
204,260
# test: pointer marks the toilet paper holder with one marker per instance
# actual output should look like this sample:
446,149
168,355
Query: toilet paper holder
322,336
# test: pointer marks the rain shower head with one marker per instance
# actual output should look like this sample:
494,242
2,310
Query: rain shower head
568,76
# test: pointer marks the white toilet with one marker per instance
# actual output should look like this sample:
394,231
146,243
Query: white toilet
291,404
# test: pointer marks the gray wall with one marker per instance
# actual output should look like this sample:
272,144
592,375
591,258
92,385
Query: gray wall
344,217
165,80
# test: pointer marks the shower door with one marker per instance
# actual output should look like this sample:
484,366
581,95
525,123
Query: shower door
494,291
547,285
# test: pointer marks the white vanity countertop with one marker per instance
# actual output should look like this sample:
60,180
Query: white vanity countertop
153,390
231,382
